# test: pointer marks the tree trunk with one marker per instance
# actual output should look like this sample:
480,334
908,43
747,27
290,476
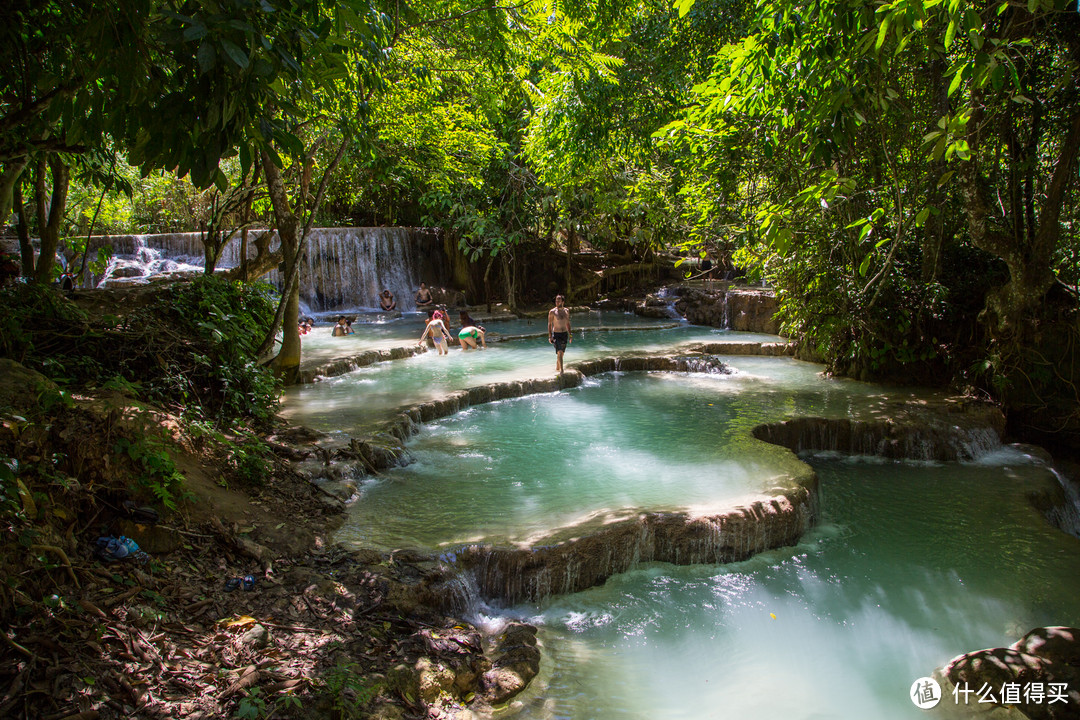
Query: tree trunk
933,230
50,230
511,290
26,250
287,362
209,252
1027,254
9,183
487,283
571,248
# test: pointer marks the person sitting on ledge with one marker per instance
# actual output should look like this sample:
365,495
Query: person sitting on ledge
423,297
386,301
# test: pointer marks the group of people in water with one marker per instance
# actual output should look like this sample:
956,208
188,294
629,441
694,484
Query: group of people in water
471,336
438,329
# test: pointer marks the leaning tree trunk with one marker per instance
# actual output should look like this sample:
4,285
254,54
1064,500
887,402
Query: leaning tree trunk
10,174
293,235
50,229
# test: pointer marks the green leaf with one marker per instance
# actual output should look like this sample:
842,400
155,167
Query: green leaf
950,34
883,31
864,265
197,31
684,6
867,229
955,84
206,56
920,218
235,54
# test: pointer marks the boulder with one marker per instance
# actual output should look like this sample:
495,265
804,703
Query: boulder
434,680
257,638
1046,658
20,387
516,663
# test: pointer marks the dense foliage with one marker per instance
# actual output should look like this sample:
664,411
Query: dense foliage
189,348
903,173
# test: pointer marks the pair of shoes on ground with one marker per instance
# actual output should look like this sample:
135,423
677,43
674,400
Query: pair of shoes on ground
110,549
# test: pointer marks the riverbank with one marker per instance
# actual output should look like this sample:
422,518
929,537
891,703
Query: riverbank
312,631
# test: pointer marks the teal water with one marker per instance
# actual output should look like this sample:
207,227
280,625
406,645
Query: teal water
377,332
348,403
518,470
912,565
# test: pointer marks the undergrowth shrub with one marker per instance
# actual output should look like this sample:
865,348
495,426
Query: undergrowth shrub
190,347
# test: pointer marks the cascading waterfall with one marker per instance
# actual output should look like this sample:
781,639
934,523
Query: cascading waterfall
344,269
347,268
138,257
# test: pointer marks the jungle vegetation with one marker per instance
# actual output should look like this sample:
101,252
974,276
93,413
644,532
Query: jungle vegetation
903,173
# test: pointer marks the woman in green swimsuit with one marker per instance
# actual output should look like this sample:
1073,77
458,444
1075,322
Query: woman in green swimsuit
469,335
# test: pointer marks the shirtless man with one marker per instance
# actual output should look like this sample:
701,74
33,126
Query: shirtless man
438,333
386,301
423,297
559,330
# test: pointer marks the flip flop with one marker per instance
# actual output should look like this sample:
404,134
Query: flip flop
142,514
240,583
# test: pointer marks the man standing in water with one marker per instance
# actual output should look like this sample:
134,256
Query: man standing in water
559,330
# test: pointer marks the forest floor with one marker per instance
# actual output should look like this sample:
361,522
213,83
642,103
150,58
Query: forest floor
314,635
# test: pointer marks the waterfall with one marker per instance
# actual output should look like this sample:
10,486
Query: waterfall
347,268
344,269
1067,517
136,258
725,318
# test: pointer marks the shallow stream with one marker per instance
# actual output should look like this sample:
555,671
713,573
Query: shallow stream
910,565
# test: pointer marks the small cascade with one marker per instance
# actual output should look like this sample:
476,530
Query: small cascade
660,305
458,592
1067,516
513,575
704,364
136,258
725,313
922,439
